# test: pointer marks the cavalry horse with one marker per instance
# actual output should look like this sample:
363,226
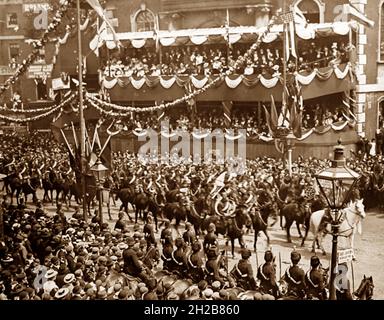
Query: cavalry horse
298,212
350,223
28,188
365,289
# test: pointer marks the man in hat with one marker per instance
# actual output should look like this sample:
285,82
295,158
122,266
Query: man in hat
315,281
132,264
195,263
294,276
266,273
210,239
243,273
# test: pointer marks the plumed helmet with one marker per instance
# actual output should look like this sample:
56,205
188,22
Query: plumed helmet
245,253
196,246
295,256
211,227
179,242
315,261
268,256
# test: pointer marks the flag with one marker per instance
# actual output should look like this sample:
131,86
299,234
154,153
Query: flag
95,5
268,120
357,15
227,110
274,117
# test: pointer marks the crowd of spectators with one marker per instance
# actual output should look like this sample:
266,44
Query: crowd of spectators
214,59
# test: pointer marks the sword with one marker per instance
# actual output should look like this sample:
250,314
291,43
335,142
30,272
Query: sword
280,265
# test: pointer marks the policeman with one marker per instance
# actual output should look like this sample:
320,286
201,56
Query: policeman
315,281
166,255
195,263
149,233
212,267
294,276
178,257
189,235
266,273
243,273
210,239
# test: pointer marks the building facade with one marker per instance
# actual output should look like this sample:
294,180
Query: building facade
17,27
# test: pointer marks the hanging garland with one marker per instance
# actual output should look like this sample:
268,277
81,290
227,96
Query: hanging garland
97,103
27,111
40,116
22,68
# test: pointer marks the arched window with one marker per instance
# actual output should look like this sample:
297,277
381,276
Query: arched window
381,32
145,21
312,9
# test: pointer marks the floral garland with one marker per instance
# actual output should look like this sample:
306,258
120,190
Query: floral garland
26,111
22,68
40,116
97,103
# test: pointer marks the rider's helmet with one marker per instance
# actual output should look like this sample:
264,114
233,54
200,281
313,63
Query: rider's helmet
245,253
295,257
315,261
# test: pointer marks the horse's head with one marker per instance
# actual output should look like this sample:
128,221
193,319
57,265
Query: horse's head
243,218
358,208
365,290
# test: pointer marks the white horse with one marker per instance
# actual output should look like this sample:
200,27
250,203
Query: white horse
350,222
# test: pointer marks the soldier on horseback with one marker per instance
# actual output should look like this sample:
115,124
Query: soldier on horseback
294,276
266,273
242,272
195,263
314,281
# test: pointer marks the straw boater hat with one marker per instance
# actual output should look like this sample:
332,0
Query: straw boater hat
61,293
50,274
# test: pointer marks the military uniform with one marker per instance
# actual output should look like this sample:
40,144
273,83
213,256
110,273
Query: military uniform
166,255
195,263
314,281
149,234
212,268
243,274
210,239
266,273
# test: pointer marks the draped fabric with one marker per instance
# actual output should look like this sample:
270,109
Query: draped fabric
138,43
233,38
232,81
199,83
198,39
167,83
167,41
305,33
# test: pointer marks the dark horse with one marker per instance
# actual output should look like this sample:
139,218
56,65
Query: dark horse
126,196
298,212
90,191
365,290
233,227
14,183
175,211
260,219
29,188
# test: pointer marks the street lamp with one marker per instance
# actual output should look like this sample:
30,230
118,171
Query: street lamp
99,170
336,184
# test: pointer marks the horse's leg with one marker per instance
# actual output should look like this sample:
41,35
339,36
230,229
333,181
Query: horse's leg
351,241
109,210
233,247
241,242
320,239
305,236
266,234
288,225
155,218
255,242
298,229
315,235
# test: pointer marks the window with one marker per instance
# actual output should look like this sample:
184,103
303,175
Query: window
312,9
381,35
145,21
11,20
14,51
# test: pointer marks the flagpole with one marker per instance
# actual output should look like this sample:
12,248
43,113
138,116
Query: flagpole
81,111
285,56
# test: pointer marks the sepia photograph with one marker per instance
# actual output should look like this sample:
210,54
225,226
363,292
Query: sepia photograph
208,151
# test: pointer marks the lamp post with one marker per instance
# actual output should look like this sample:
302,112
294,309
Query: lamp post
98,170
336,184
